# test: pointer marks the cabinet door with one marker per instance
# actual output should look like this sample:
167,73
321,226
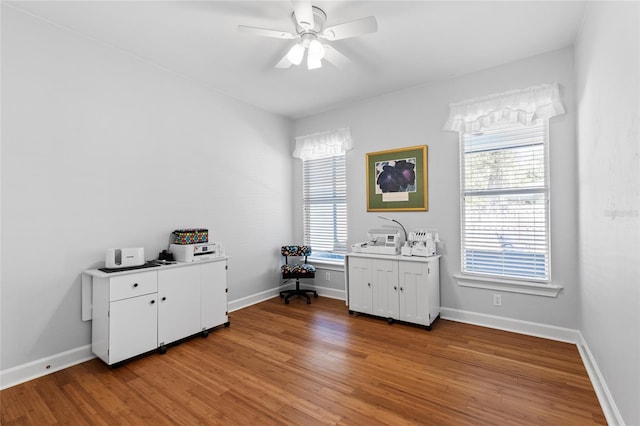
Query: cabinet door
132,327
360,291
414,292
433,269
384,279
179,303
213,294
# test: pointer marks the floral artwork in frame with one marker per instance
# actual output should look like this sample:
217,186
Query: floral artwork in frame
397,180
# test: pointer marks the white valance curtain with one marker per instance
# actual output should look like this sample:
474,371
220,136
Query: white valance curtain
323,144
522,106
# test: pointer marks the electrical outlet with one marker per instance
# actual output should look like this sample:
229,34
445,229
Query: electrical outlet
497,300
327,276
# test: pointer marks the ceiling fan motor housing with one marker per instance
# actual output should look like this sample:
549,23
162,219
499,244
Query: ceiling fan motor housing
319,18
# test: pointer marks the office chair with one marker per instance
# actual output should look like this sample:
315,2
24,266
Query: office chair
297,271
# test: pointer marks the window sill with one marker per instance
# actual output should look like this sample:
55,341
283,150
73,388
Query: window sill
333,265
513,286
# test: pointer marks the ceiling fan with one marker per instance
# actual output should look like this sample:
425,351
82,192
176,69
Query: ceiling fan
309,23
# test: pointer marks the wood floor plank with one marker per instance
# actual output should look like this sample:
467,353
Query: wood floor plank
300,364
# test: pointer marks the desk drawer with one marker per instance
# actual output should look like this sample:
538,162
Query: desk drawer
132,285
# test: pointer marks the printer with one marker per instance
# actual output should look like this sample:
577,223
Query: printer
196,252
381,241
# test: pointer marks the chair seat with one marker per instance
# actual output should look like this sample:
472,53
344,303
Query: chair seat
303,269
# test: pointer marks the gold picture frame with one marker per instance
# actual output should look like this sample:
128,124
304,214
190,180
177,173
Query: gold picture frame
397,180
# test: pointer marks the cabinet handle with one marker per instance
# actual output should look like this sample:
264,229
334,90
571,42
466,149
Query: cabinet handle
401,289
153,301
135,285
369,284
164,298
395,288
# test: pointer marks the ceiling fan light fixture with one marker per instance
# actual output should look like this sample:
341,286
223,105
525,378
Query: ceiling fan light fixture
316,51
315,54
295,54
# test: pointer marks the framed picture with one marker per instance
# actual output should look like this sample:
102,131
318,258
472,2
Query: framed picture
397,180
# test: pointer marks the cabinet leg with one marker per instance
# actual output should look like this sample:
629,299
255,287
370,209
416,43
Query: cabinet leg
390,320
205,333
162,349
428,327
227,324
350,312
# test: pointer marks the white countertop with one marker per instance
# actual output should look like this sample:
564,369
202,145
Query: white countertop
101,274
395,257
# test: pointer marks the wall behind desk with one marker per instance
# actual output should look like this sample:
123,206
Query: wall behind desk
102,149
415,116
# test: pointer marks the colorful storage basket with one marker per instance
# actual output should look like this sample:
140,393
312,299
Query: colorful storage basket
190,236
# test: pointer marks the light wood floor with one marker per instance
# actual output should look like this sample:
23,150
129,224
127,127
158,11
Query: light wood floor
315,364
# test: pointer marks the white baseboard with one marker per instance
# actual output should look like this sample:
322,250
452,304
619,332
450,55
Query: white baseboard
508,324
253,299
244,302
331,293
41,367
607,403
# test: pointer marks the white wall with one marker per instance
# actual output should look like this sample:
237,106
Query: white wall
101,149
415,116
608,97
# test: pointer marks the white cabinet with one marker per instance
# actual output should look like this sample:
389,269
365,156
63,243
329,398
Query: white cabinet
138,311
394,287
132,324
360,290
125,315
179,303
213,295
419,291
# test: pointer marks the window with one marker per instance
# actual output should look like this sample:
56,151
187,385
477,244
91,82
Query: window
505,202
325,207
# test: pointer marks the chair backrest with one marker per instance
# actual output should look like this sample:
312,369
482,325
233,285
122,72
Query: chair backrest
295,251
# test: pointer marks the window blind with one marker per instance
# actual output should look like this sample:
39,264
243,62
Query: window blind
325,206
505,226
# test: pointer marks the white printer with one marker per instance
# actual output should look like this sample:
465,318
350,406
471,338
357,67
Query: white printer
196,252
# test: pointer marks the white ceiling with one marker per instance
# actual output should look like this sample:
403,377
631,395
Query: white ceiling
417,42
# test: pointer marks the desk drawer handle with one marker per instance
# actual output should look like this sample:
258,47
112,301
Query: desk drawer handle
135,285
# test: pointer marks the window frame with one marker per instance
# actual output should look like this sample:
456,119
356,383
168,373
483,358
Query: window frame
336,255
506,282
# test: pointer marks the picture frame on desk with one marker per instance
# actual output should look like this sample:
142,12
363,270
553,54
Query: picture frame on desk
397,180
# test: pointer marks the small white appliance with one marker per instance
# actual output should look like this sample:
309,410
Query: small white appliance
423,242
381,241
196,252
125,257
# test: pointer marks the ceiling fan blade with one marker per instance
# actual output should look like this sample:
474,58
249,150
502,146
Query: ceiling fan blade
351,29
303,13
334,56
263,32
